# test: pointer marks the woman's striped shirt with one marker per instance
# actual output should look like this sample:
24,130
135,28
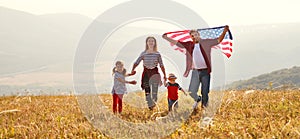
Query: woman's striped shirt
150,60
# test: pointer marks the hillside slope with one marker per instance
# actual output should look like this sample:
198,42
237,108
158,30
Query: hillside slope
277,79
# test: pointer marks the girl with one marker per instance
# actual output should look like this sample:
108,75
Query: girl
119,88
151,79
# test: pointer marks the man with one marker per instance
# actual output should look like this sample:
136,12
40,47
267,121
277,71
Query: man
198,59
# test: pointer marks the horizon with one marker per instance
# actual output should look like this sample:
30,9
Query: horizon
58,71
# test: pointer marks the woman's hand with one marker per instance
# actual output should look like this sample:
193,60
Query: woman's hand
165,83
132,73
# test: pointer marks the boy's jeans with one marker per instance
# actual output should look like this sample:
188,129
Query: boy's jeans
171,103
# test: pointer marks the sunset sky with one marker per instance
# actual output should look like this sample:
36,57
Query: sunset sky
233,12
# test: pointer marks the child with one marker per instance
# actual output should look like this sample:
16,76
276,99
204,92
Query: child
173,88
119,88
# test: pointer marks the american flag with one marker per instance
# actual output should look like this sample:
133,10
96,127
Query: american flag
206,33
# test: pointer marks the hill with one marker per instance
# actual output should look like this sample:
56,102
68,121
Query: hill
31,41
288,77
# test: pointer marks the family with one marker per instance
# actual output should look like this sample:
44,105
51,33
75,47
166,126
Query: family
198,60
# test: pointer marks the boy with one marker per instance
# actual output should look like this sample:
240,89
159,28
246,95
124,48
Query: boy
173,88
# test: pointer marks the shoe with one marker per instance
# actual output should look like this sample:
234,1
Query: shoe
204,106
197,102
152,107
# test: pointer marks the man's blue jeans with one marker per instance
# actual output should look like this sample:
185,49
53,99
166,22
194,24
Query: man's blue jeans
200,76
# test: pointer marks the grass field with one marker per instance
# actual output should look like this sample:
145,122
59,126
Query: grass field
251,114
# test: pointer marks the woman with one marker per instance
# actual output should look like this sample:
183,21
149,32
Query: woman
151,78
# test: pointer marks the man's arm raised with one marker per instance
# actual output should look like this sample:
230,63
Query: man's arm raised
220,39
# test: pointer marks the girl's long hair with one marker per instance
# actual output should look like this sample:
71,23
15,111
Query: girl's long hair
155,46
114,70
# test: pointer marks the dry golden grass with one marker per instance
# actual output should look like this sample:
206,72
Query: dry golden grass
255,114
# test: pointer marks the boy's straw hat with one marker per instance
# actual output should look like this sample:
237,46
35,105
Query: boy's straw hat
172,76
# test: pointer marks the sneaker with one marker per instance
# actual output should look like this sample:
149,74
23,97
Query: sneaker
152,107
204,106
197,102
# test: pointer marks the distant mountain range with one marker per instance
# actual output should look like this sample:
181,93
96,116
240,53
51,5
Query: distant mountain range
38,50
279,79
32,41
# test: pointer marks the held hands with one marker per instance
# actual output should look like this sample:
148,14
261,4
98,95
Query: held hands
165,80
132,73
133,82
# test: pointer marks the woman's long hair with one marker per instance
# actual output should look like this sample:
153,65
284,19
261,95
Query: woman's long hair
155,46
115,68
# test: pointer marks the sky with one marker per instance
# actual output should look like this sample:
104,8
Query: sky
214,12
